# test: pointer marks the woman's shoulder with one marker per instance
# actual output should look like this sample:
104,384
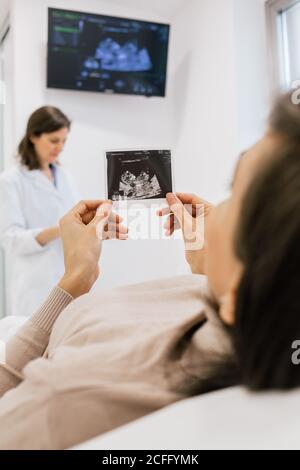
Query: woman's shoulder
182,288
183,281
12,175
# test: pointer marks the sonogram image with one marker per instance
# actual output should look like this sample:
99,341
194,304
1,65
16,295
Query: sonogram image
139,174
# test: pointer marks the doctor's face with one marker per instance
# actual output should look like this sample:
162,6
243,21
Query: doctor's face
49,146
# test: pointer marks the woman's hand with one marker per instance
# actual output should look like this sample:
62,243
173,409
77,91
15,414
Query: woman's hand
48,235
82,231
188,212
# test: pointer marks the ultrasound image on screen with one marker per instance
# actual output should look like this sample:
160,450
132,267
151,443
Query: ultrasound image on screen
139,174
106,54
127,57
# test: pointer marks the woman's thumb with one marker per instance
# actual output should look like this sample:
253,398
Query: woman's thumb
101,218
182,215
176,207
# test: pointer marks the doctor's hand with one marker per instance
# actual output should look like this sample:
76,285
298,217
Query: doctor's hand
188,212
82,231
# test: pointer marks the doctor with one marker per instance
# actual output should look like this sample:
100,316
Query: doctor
34,195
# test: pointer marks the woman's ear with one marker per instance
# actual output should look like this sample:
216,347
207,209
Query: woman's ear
33,139
227,307
228,301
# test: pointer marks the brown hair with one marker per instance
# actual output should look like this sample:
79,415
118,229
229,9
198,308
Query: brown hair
43,121
267,243
267,313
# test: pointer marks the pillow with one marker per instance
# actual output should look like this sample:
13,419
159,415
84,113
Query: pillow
228,419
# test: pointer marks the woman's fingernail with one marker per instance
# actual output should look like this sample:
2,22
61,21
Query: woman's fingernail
102,211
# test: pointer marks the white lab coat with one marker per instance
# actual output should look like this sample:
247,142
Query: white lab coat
30,203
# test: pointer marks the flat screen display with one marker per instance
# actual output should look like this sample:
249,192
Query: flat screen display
106,54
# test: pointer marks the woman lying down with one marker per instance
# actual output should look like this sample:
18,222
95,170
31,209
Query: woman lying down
79,368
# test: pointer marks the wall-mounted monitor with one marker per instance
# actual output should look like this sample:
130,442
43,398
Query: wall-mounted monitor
106,54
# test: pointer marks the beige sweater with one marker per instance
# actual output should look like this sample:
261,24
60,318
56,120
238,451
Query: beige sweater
108,358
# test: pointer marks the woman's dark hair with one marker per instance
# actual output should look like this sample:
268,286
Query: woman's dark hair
43,121
267,243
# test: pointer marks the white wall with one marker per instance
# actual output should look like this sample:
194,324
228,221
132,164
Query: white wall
202,118
253,91
99,122
4,8
223,66
205,128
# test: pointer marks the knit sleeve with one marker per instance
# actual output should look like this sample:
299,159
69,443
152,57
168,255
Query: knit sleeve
31,340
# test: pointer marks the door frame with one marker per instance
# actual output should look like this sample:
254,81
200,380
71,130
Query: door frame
4,34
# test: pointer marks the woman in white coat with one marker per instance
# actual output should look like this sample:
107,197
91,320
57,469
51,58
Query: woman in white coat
33,197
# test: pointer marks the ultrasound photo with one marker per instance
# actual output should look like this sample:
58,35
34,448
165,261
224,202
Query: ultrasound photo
139,174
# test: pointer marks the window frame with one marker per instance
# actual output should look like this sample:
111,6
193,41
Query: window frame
274,42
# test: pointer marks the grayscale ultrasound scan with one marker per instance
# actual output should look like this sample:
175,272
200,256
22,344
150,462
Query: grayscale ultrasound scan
139,174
